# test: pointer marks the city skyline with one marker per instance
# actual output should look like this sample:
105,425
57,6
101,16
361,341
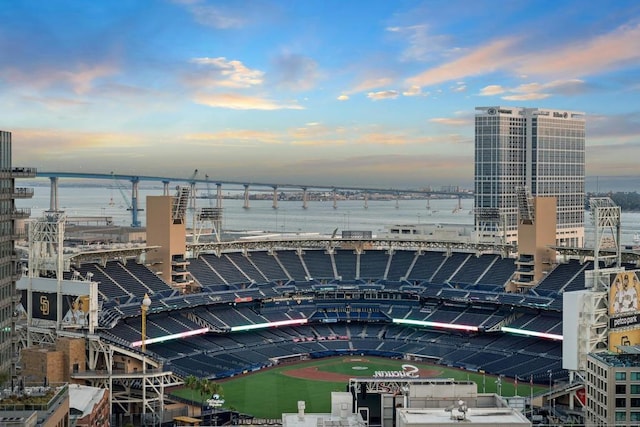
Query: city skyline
332,93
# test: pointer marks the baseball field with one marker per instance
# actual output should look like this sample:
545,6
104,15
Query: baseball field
270,392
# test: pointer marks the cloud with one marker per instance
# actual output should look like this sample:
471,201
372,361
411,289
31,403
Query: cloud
385,94
385,138
592,56
294,71
534,90
413,91
242,102
453,121
368,84
225,73
311,130
36,146
492,90
80,78
317,134
211,16
343,97
421,45
485,59
599,54
234,137
459,87
526,97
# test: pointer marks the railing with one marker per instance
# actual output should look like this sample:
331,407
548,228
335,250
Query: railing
17,213
18,172
18,192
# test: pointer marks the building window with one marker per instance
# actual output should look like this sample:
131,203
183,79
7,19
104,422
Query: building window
635,376
622,389
621,416
621,376
621,402
635,388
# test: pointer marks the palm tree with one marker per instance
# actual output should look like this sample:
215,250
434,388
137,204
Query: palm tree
191,382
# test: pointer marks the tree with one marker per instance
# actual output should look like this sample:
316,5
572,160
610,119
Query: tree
191,382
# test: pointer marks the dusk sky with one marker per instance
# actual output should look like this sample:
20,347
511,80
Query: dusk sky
354,93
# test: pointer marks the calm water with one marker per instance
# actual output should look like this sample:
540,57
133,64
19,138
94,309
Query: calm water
290,217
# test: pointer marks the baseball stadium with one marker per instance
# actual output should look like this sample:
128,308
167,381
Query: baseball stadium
275,321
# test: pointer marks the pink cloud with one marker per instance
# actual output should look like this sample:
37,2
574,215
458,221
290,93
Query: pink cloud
486,59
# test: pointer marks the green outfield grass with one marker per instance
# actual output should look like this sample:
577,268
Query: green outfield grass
269,393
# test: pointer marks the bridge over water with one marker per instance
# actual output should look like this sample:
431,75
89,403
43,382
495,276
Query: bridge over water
247,185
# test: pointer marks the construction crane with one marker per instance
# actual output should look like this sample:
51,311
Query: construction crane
192,184
130,203
117,184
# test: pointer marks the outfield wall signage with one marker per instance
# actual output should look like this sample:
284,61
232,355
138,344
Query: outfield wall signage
408,371
624,321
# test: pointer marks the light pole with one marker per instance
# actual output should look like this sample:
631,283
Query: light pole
146,302
144,307
550,386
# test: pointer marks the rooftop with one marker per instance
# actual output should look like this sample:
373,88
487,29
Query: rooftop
478,416
629,359
321,420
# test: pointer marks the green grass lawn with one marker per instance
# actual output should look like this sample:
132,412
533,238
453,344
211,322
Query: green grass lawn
269,393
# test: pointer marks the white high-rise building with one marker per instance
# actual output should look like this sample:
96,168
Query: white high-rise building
533,152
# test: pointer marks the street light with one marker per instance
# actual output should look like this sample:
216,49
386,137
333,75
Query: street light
146,302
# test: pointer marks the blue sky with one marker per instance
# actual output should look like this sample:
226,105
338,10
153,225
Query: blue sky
375,93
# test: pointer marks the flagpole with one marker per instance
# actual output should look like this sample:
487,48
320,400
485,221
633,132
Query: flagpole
531,388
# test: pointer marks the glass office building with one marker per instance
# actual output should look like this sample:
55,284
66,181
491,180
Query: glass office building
9,232
540,150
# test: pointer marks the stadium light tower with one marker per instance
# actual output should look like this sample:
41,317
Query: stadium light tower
146,302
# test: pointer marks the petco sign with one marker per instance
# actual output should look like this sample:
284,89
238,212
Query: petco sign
408,371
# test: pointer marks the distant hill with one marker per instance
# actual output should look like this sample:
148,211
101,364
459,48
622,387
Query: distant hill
628,201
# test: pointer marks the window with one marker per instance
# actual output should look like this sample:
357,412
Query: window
621,376
635,388
621,416
635,376
621,402
622,389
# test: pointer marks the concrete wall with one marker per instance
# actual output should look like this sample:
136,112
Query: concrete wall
161,231
535,239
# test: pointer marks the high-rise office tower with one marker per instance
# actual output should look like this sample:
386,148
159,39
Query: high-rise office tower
528,152
9,271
